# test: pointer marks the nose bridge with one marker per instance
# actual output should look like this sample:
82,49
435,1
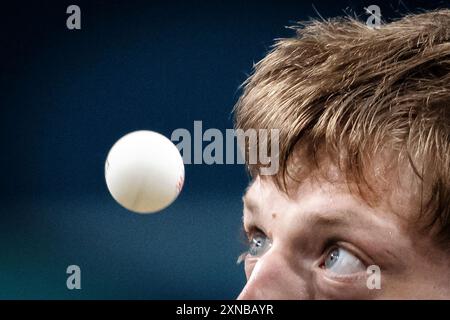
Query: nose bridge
273,278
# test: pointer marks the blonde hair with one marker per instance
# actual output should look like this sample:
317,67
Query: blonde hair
354,90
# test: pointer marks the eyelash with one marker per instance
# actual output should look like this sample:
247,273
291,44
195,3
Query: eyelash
329,245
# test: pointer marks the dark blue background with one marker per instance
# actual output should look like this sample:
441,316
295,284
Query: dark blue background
67,96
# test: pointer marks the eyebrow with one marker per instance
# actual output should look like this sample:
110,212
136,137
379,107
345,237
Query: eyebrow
327,218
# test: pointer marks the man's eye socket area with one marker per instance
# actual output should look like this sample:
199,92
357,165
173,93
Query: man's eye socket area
257,244
336,260
341,262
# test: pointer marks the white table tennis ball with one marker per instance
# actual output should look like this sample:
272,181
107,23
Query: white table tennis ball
144,171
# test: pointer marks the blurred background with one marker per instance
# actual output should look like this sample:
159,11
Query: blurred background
67,95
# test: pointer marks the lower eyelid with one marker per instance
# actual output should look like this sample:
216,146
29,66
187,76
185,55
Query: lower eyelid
343,278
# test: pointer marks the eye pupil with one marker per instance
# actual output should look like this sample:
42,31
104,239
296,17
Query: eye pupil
335,255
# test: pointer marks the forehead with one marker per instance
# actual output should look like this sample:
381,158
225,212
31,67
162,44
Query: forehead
263,195
395,188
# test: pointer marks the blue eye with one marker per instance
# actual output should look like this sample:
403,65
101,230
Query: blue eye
259,244
341,261
332,257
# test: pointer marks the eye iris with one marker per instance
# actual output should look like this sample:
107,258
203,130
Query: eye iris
256,244
332,258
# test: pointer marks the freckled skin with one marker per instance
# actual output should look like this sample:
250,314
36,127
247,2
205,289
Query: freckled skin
300,226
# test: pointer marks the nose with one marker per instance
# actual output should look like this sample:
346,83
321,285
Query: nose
273,278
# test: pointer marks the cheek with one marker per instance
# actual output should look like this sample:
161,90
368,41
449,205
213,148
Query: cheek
249,266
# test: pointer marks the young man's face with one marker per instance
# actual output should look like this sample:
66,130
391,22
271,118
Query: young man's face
319,243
